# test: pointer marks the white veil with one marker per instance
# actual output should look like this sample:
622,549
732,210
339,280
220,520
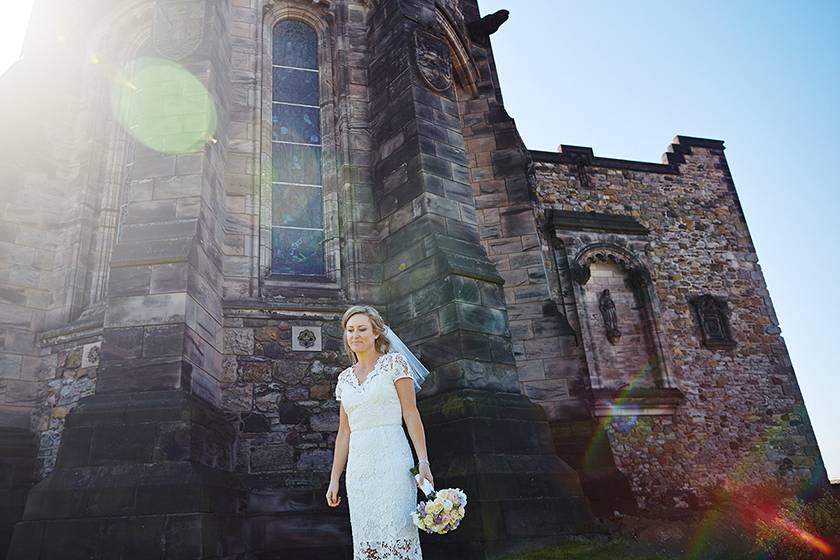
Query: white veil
418,371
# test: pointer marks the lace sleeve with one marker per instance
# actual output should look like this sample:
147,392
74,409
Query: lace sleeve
338,387
399,367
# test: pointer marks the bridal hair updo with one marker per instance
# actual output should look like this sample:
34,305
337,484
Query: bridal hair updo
381,343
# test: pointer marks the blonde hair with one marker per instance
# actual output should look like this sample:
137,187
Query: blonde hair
377,322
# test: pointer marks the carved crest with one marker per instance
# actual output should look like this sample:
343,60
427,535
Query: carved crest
307,338
178,27
433,60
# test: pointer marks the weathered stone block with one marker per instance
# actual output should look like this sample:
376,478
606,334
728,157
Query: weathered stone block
315,460
255,372
129,281
320,392
122,343
163,340
10,366
272,457
142,310
239,341
324,422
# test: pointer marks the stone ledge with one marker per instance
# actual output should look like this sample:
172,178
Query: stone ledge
594,221
72,333
635,402
263,308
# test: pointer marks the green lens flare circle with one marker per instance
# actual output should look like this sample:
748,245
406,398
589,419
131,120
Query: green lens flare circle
164,106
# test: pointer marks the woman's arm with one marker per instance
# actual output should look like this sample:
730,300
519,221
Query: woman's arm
408,402
342,446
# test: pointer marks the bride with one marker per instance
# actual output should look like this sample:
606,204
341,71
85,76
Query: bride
376,394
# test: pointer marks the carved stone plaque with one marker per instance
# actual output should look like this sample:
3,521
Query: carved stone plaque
714,324
90,354
178,27
306,339
433,60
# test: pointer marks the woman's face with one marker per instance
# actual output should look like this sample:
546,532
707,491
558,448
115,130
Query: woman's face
359,333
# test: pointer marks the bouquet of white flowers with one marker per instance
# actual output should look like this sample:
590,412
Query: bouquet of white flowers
443,511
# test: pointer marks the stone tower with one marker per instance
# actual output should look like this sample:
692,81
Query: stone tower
195,190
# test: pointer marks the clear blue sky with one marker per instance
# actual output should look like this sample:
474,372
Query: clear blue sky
764,76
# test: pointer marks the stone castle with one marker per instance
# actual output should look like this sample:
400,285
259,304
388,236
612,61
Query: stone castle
195,190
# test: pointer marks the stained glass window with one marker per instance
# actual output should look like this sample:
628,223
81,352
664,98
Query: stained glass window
297,217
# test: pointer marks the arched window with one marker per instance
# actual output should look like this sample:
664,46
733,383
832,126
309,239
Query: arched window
297,223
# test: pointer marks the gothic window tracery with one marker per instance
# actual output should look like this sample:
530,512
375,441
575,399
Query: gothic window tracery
297,216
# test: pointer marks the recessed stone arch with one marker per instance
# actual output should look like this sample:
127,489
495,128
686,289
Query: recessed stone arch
605,253
463,67
622,337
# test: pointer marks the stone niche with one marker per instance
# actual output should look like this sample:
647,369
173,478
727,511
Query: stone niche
620,330
713,320
629,368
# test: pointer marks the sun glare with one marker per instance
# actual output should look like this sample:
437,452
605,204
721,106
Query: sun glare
14,17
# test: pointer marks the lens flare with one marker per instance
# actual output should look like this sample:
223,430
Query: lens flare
623,421
754,506
807,538
164,106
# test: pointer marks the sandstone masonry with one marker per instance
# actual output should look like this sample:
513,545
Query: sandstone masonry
599,331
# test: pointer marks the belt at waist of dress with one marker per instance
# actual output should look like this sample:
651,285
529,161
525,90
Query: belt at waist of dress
355,430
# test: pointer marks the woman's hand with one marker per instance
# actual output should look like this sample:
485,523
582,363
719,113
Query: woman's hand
333,499
425,472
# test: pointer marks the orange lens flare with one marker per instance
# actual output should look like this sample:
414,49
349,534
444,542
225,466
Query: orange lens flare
806,537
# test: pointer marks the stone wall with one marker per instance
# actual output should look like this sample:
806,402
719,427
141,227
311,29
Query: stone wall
288,415
742,416
73,377
33,279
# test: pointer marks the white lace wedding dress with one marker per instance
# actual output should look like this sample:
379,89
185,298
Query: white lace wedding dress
381,492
